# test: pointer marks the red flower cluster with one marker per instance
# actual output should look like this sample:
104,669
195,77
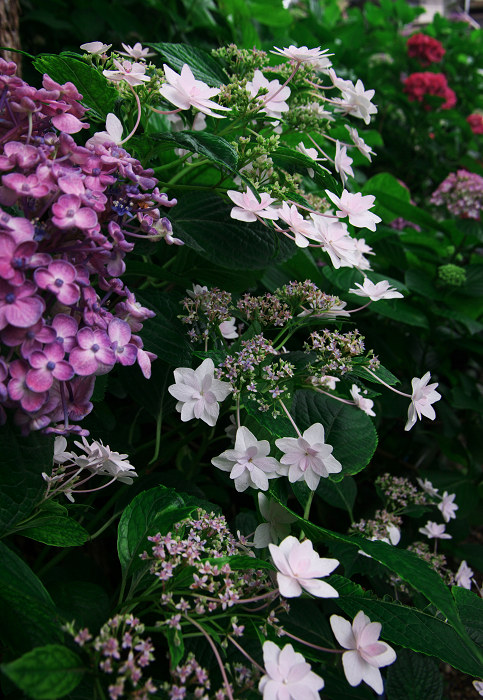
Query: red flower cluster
476,123
417,85
426,49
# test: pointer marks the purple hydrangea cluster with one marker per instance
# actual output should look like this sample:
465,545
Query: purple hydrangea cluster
70,214
461,193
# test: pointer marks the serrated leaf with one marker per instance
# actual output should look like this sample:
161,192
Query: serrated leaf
203,66
21,484
28,613
406,626
56,531
413,676
149,512
97,93
216,148
340,421
203,222
470,608
47,672
293,161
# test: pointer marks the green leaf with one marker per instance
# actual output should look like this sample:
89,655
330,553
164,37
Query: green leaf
165,334
28,613
241,562
175,645
203,222
293,161
149,512
384,182
47,672
339,421
203,66
404,313
340,494
470,608
413,676
21,484
57,531
97,93
418,630
209,145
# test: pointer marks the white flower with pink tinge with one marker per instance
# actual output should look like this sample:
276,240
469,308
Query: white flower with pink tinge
376,292
277,525
356,207
248,208
301,54
112,134
423,396
137,52
198,392
95,48
464,575
434,531
288,675
360,144
366,654
362,403
308,458
336,241
273,102
343,162
248,463
132,73
301,568
447,506
184,91
300,227
228,328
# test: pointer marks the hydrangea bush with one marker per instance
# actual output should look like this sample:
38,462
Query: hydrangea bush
240,522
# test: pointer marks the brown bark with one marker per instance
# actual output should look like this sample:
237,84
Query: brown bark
9,30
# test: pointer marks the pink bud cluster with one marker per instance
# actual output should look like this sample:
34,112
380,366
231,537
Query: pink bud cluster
70,214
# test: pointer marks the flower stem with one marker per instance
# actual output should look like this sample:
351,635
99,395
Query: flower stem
138,103
290,418
313,646
245,654
401,393
217,656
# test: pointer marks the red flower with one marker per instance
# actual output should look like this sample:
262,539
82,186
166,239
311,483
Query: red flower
476,123
426,49
417,85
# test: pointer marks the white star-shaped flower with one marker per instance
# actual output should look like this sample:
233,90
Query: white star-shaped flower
343,162
423,396
376,292
464,575
137,52
248,208
361,402
356,207
198,392
273,102
248,463
366,654
184,91
301,568
434,531
288,676
301,54
447,506
95,48
277,526
308,458
112,134
132,73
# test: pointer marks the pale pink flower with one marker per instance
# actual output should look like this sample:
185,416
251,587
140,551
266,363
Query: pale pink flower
366,654
447,507
184,91
288,675
132,73
137,52
95,48
228,328
362,249
301,54
478,686
278,522
300,227
356,207
433,531
308,458
423,396
362,403
463,576
198,392
301,568
248,463
112,134
360,144
376,292
336,241
100,459
343,162
248,208
310,153
428,487
356,100
273,102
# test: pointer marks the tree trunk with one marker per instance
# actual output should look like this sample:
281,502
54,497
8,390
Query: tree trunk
9,30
